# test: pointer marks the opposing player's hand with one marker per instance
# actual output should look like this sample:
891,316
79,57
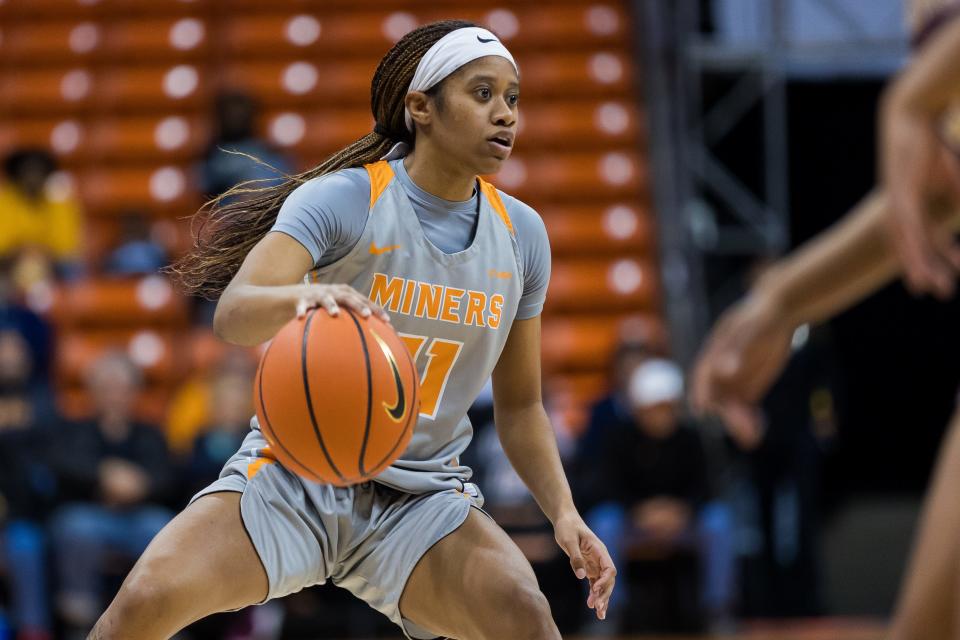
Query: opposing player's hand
742,357
917,168
589,559
331,296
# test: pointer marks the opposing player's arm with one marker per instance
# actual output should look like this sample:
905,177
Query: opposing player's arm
268,291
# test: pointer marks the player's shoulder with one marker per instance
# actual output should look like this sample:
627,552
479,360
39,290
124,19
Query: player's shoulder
526,221
346,184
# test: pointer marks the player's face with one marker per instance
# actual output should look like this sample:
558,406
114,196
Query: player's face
477,123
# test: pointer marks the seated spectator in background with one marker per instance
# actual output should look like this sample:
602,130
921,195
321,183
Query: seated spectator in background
27,486
229,159
39,223
651,487
137,253
231,406
15,316
193,406
114,473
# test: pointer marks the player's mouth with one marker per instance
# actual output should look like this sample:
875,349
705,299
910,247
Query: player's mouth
501,144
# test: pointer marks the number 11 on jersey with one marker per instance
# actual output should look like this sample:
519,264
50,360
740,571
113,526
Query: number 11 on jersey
441,354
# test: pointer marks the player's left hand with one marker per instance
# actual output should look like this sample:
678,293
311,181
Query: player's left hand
589,559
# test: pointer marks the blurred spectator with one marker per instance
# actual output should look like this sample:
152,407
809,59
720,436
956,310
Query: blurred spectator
237,153
136,253
114,472
27,485
231,405
40,223
651,495
17,317
193,406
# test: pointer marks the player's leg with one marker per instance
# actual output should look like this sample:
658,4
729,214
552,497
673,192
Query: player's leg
929,596
201,563
475,584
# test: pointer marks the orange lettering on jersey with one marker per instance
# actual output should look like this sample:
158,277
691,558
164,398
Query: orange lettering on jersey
384,293
428,300
451,304
476,305
408,296
496,310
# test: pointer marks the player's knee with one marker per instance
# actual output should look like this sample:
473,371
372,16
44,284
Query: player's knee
529,617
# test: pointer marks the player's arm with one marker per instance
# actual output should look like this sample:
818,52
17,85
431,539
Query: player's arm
268,291
917,169
529,441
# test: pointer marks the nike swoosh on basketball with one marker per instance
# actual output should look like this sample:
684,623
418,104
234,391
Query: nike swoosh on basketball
486,40
375,250
400,406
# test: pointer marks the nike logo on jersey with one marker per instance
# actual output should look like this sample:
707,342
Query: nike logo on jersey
503,275
486,40
436,301
375,250
399,408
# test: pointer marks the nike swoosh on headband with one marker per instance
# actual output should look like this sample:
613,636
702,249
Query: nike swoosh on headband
486,40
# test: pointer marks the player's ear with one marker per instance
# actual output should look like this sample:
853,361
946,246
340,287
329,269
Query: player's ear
420,107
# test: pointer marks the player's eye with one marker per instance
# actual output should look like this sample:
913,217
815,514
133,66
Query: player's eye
484,93
513,99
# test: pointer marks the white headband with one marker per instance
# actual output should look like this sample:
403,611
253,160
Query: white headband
448,54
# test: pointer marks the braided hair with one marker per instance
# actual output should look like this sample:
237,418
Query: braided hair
227,227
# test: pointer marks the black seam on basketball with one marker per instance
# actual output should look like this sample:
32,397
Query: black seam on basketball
414,415
366,360
306,389
273,434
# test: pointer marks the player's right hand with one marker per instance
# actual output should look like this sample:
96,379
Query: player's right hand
917,168
331,296
741,358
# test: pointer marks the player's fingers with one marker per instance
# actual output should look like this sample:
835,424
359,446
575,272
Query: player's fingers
571,547
356,303
302,305
328,302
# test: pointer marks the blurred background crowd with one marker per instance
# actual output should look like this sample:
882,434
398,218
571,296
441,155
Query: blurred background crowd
672,148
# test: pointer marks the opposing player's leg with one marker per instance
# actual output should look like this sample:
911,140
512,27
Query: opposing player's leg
929,597
475,584
201,563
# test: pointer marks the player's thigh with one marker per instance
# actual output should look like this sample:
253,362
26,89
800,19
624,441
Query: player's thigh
202,562
476,584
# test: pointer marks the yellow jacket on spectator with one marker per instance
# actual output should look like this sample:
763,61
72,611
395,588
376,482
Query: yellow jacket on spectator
51,224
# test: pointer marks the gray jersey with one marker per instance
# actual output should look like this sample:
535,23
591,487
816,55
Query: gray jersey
327,216
453,310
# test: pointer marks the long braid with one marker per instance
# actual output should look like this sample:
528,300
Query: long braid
226,228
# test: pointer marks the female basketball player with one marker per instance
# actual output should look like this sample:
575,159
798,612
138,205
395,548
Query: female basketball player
445,100
907,224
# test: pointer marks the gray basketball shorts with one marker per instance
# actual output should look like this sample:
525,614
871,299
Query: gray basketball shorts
366,538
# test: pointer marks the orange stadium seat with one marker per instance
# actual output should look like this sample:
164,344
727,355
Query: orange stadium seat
585,387
574,342
155,88
306,35
581,230
141,302
63,90
157,353
589,125
61,43
162,189
304,82
549,27
589,284
574,176
157,39
170,138
43,9
562,75
316,133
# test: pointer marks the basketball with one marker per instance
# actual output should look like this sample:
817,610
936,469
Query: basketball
337,397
